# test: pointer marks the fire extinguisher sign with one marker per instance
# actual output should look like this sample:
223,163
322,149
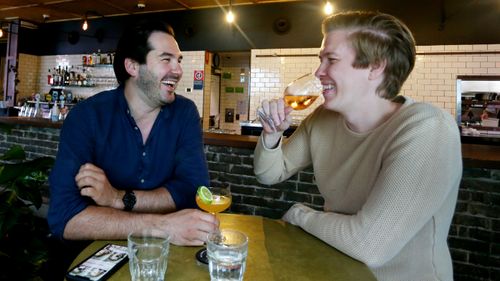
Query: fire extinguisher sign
198,80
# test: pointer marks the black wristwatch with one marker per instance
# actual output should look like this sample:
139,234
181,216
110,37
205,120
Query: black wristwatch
129,200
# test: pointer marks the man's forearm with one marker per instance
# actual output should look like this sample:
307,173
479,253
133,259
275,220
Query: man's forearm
185,227
94,223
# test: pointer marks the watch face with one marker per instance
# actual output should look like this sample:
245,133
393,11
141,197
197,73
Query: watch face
129,200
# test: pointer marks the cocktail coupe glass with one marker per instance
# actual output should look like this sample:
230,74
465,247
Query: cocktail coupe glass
299,95
220,201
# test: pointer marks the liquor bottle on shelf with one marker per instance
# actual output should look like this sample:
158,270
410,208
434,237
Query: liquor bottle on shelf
66,76
110,58
83,76
56,77
50,80
98,57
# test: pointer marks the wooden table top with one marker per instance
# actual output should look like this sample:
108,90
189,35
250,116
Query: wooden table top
277,251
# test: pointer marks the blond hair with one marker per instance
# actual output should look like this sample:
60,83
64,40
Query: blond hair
378,37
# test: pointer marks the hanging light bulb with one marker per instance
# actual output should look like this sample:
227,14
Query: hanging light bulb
230,15
328,8
1,32
85,25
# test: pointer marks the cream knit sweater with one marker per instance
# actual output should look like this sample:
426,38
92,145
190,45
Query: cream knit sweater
389,194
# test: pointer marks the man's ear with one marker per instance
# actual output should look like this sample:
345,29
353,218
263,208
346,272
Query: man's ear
377,69
132,67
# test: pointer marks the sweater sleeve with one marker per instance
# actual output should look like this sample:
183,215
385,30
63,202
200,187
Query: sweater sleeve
420,169
290,156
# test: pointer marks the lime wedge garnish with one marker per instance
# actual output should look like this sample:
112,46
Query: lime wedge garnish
205,194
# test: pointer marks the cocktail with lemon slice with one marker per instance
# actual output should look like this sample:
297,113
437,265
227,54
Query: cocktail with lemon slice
213,200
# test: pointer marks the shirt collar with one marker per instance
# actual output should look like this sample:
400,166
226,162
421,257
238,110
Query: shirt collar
165,110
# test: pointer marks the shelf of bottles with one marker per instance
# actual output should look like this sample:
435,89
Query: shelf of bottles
95,70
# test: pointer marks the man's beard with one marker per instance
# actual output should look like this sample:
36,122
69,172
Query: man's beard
149,85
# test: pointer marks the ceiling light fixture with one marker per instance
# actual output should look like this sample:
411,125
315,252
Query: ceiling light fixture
230,15
328,8
141,4
1,32
85,25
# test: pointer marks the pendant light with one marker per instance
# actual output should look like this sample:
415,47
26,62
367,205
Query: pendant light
328,8
230,15
85,25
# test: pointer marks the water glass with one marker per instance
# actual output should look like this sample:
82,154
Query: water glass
227,254
148,256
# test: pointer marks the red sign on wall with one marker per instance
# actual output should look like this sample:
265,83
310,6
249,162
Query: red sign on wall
198,75
198,80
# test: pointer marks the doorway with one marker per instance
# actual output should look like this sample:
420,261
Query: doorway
214,117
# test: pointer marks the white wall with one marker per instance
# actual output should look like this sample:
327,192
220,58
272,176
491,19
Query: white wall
433,79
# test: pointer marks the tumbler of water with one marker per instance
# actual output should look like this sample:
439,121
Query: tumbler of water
148,256
227,255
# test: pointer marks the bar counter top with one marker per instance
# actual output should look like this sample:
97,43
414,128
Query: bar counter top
483,154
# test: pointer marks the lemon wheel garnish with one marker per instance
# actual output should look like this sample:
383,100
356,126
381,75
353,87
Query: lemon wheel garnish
205,194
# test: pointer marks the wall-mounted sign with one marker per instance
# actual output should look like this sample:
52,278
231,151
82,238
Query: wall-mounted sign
242,106
229,89
198,80
239,90
226,75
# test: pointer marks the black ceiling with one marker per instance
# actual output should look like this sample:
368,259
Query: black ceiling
433,22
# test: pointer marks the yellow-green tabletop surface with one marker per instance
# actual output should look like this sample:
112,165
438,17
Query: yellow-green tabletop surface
276,251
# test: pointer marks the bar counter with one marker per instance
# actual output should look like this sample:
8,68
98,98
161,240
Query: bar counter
482,153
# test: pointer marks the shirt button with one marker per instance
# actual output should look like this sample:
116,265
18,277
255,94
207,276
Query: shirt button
142,180
135,128
144,154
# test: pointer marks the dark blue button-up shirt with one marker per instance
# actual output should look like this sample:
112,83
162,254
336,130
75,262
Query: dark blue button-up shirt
101,131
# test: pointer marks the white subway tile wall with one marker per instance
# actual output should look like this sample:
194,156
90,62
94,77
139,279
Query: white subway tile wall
433,79
205,113
192,61
273,69
232,98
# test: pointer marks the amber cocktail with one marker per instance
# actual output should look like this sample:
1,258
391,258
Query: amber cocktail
213,200
219,203
303,91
